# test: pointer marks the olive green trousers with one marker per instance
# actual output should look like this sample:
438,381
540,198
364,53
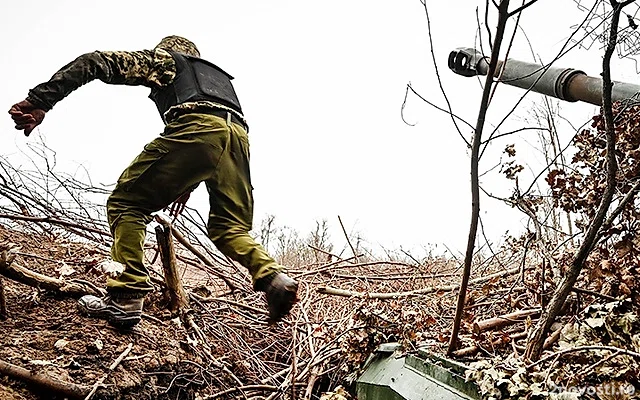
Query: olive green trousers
194,148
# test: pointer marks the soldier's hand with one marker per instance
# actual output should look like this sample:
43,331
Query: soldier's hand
26,116
179,205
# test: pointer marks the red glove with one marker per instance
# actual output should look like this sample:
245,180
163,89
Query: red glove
26,116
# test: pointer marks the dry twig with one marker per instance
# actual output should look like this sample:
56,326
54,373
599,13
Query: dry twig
3,302
112,367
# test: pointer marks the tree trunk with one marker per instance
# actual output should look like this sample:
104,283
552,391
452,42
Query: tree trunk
503,15
537,338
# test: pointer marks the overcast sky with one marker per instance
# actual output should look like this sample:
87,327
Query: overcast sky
321,83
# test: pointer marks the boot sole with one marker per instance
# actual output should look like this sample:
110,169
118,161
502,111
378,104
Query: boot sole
117,322
121,323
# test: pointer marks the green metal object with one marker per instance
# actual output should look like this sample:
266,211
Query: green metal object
388,375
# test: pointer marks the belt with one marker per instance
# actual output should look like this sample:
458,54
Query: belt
223,114
218,112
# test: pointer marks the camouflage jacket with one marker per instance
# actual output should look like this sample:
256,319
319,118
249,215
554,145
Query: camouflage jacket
150,68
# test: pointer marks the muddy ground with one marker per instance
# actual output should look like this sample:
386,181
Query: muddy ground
45,333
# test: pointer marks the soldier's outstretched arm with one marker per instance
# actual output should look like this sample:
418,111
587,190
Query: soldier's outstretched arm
151,68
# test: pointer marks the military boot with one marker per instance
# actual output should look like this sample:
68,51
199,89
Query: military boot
281,292
119,312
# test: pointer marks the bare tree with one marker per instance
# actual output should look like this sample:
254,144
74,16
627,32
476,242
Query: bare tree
477,146
536,340
503,16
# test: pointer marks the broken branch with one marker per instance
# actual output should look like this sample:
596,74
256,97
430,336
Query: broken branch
43,381
113,366
178,299
353,250
34,279
3,302
504,320
183,241
419,292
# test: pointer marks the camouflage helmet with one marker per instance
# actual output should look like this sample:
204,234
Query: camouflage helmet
179,45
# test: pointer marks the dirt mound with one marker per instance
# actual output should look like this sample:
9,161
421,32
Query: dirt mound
223,347
44,333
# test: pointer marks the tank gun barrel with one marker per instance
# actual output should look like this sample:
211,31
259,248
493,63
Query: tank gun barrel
563,83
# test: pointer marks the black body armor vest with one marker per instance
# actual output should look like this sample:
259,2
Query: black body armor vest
196,80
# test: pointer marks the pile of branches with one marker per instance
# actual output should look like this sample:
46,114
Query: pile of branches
596,336
347,306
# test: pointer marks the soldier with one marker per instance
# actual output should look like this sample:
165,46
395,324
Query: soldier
205,139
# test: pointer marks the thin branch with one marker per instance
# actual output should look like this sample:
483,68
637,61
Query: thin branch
441,109
486,24
353,250
404,104
623,203
112,367
532,128
475,152
584,348
435,65
54,221
521,8
3,302
594,293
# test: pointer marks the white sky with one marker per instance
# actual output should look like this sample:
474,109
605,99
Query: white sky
321,84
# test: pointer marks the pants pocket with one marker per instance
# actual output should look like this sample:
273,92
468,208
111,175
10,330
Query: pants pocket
151,154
